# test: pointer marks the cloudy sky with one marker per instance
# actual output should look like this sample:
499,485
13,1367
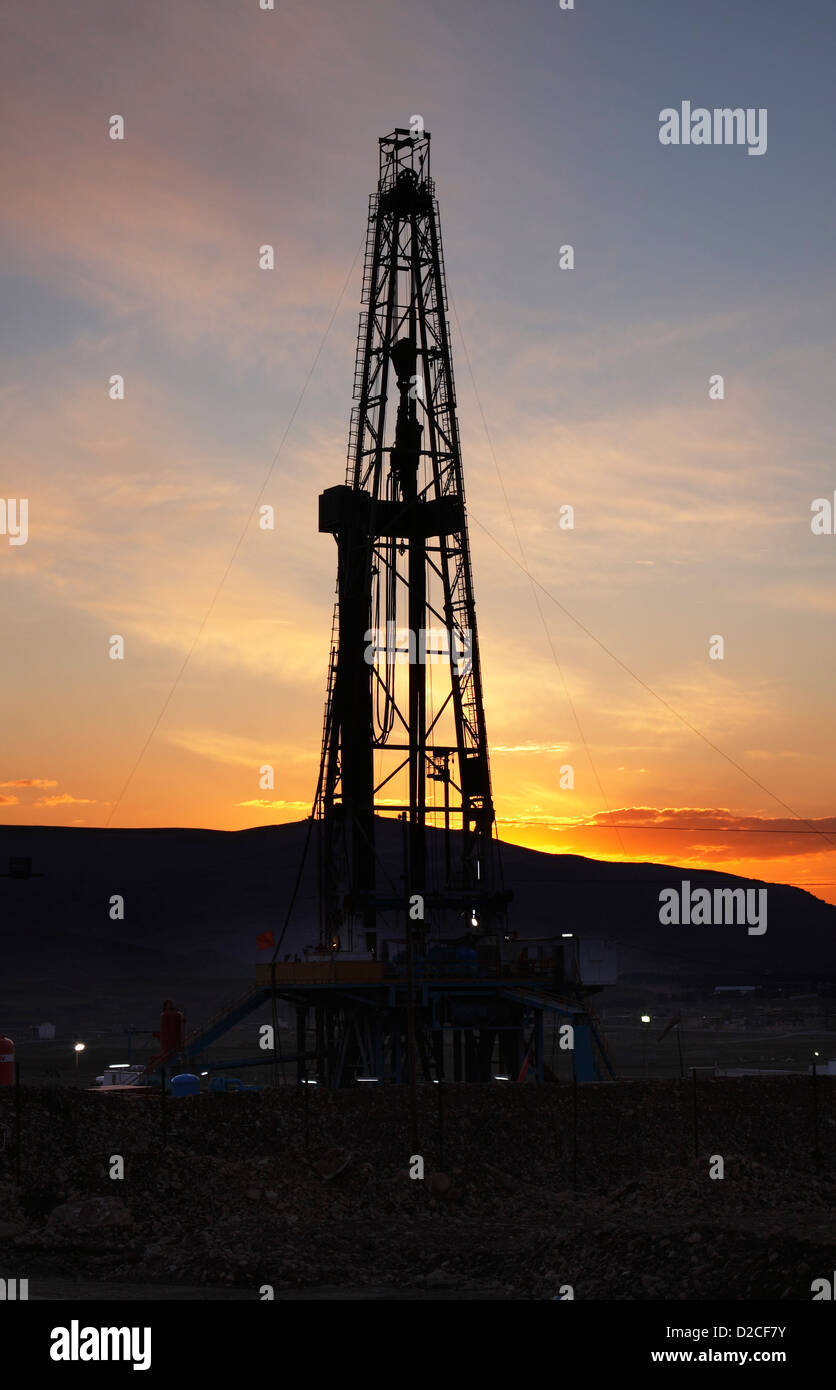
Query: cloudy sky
587,388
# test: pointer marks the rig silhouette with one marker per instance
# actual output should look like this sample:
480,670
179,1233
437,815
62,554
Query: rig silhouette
415,973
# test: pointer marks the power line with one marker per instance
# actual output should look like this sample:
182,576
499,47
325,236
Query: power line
662,701
535,584
535,595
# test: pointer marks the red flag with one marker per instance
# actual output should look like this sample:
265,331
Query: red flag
265,940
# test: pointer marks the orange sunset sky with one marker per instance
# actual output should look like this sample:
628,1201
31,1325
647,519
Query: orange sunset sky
588,388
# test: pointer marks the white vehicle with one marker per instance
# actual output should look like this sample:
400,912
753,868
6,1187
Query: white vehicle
121,1074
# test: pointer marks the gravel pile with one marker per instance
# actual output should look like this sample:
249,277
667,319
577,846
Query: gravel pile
237,1197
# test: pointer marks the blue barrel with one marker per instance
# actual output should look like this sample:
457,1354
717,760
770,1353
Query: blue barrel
185,1085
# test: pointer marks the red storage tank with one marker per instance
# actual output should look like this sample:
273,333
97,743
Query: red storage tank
7,1062
172,1028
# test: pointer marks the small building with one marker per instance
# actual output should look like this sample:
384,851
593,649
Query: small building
597,960
42,1030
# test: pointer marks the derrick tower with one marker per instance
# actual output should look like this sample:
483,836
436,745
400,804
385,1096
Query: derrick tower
403,812
404,732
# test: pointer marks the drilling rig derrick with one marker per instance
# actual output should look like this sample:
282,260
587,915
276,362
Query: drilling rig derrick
404,733
414,968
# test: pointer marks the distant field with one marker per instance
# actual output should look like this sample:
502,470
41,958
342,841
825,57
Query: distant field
778,1034
754,1036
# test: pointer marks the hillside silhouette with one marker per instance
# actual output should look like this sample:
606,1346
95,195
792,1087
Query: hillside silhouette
195,900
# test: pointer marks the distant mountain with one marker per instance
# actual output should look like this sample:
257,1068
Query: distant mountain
196,899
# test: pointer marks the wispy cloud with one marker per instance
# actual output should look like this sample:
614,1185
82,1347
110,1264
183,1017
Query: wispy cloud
747,837
529,748
30,782
264,805
65,799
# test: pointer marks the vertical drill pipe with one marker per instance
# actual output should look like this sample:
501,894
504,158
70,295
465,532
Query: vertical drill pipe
417,716
447,865
410,999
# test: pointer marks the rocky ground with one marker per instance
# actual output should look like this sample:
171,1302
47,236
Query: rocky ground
235,1197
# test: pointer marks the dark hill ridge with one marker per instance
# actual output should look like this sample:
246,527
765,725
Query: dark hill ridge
195,900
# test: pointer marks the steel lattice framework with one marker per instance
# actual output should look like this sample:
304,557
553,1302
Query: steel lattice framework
404,731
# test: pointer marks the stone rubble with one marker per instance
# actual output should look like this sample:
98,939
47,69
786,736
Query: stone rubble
235,1198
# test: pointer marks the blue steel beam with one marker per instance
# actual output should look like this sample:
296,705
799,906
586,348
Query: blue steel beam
200,1041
